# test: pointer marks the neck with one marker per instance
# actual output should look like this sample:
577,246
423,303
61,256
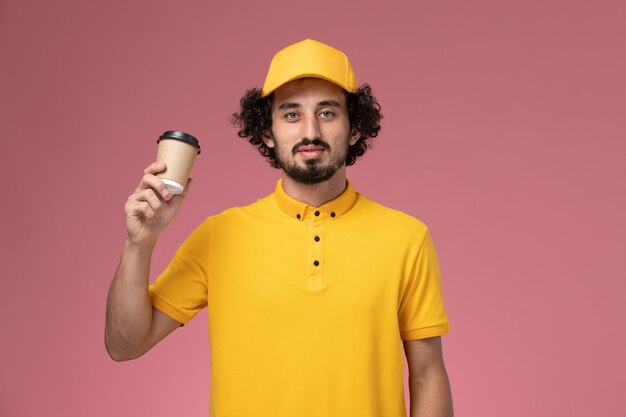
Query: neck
316,194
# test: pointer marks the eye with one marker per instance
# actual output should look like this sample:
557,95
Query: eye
292,115
326,114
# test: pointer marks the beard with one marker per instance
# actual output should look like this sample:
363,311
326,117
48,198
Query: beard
313,171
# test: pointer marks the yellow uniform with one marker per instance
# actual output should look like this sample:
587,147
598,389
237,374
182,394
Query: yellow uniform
307,306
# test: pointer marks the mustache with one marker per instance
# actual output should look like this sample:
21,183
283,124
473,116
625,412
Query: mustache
314,142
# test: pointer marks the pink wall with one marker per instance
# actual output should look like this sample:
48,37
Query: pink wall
503,131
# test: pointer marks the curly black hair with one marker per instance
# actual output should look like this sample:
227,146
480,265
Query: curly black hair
255,118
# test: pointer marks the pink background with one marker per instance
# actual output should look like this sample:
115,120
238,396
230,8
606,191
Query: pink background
503,131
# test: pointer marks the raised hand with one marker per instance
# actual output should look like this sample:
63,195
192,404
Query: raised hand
151,207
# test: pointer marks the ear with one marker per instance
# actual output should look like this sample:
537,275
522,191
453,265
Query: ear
268,138
354,136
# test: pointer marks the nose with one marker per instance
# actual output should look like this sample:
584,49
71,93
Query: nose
311,128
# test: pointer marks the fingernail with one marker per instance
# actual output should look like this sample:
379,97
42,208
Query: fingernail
165,193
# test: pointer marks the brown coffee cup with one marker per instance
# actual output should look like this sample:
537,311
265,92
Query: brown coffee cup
178,150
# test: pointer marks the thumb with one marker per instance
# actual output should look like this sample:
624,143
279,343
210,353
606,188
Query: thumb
178,199
187,187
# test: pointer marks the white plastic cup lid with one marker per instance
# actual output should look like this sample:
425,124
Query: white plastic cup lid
173,186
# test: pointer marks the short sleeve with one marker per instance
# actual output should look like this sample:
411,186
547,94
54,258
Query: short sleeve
181,289
422,313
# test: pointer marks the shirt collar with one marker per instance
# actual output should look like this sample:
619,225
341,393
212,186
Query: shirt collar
300,211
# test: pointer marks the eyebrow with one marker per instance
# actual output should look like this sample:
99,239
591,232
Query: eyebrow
329,103
325,103
288,105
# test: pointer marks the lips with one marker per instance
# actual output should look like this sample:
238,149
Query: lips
310,148
310,151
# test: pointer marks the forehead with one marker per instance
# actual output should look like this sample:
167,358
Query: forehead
308,90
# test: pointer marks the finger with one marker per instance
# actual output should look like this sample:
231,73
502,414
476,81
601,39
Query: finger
141,209
155,168
150,181
150,197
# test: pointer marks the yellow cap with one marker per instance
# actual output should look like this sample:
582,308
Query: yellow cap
310,58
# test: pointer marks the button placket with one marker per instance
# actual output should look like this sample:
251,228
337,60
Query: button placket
317,245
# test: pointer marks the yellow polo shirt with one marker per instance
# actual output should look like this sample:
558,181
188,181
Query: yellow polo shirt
307,306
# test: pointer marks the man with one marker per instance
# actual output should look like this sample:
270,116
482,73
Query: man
311,290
